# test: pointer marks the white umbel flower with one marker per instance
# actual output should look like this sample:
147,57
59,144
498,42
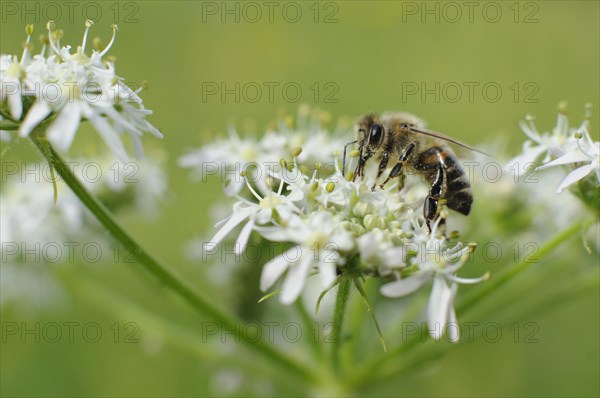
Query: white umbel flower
435,261
64,89
541,145
272,207
585,157
564,146
319,243
335,228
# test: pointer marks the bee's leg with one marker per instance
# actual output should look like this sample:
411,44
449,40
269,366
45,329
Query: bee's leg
401,181
398,167
361,161
430,207
344,158
382,166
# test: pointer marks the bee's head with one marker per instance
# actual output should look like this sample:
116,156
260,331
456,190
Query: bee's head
369,134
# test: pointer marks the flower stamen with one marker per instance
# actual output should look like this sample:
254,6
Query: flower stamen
112,40
88,25
27,46
51,36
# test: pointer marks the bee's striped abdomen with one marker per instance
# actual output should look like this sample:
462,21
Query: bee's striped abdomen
458,193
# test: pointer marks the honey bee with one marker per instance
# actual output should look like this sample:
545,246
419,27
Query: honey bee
401,138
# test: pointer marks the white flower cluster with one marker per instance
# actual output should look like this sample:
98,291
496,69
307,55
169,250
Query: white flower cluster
29,216
37,235
564,146
235,154
335,228
62,88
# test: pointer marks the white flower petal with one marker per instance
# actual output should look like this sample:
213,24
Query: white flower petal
263,216
575,176
328,260
295,279
521,164
343,241
242,240
36,114
530,131
15,102
110,136
274,269
234,220
567,158
394,258
405,286
440,301
453,326
234,185
275,234
62,131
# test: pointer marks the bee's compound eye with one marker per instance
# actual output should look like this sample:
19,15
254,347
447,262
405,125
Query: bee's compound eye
375,134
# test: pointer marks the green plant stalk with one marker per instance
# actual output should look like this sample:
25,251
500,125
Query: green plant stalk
484,290
179,336
372,368
341,302
308,324
163,274
560,298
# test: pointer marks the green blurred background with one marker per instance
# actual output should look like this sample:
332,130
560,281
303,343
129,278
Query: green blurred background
364,58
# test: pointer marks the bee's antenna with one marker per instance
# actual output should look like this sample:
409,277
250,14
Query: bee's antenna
344,157
446,138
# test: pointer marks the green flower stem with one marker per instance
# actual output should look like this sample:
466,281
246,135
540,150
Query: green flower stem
152,325
485,289
163,274
378,367
357,323
341,302
312,340
564,296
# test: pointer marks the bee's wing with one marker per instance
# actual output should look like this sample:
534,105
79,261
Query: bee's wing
445,138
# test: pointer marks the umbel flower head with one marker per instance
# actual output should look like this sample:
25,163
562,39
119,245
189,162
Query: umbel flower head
564,146
60,88
332,228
